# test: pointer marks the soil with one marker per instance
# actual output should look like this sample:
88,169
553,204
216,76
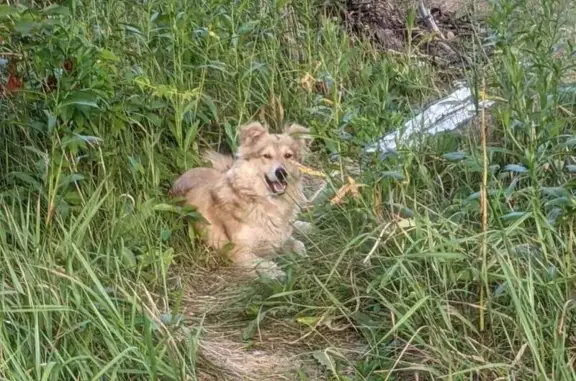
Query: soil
384,23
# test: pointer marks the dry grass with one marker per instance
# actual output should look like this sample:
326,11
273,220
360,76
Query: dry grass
215,303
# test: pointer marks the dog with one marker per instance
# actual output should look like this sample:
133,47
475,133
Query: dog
252,200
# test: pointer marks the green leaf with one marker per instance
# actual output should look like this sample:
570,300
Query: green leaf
208,101
80,98
169,319
166,208
248,27
309,320
107,55
165,235
55,9
491,192
438,255
555,191
560,201
323,358
27,179
135,165
128,257
256,66
454,156
154,119
77,140
364,320
570,143
514,215
133,29
393,174
515,168
25,27
6,10
191,135
250,330
73,178
49,371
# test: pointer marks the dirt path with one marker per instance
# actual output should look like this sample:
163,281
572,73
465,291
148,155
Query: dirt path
278,348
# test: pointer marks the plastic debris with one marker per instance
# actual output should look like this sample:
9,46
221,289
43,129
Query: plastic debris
447,114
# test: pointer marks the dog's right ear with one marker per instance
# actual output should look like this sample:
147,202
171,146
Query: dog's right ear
251,132
300,134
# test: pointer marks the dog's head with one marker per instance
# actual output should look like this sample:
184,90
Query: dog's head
268,160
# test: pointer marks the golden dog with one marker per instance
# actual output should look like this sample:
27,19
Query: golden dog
251,201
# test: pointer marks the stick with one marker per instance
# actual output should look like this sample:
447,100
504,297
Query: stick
425,15
483,208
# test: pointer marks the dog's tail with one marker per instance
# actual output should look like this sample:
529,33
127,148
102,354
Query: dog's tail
220,162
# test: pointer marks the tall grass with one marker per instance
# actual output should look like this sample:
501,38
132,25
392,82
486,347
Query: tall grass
118,97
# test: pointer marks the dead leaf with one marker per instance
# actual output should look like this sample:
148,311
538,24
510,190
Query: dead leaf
68,65
307,82
14,83
308,170
50,84
354,188
322,87
404,223
277,108
351,187
262,113
339,197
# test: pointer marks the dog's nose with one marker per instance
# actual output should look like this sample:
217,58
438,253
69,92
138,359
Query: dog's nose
281,174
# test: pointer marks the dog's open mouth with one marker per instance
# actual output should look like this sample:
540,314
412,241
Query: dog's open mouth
277,187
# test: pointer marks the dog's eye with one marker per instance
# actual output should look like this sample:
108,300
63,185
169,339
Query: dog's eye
288,155
267,156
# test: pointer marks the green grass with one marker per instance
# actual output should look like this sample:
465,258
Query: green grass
90,248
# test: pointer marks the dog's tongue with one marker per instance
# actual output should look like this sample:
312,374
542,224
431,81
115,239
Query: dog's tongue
277,186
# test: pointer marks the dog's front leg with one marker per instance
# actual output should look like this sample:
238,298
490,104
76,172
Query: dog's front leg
302,227
292,244
244,257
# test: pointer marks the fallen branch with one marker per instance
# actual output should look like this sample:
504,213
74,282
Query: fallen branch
425,15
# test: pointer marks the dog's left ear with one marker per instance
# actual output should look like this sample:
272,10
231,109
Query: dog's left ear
299,133
251,132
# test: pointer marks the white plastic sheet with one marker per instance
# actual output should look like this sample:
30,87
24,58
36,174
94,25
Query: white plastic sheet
447,114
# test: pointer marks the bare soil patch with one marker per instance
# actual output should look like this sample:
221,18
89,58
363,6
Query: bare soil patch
385,23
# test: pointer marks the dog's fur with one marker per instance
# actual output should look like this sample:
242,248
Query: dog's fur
240,203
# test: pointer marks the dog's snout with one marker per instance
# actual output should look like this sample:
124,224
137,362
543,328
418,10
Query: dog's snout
281,174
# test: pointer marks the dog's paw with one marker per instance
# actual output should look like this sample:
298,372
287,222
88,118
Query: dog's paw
270,269
303,227
299,248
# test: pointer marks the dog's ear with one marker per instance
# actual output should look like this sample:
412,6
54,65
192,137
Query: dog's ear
251,132
299,133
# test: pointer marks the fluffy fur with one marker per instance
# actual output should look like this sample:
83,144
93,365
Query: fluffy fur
252,200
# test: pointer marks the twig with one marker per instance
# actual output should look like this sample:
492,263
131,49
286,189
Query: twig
378,240
317,193
483,206
425,15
